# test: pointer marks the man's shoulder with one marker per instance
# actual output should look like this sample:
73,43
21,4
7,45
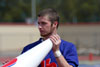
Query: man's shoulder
67,44
33,44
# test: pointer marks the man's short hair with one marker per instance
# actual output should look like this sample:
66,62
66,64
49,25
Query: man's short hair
52,15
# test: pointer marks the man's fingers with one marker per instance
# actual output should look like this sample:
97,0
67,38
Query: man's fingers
53,38
57,37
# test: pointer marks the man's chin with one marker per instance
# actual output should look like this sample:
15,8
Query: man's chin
43,35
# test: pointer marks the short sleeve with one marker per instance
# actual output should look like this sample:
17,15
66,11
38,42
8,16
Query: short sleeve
70,53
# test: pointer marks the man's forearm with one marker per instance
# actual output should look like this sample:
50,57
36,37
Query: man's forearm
62,62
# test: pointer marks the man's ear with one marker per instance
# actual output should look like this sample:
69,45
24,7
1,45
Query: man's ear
55,24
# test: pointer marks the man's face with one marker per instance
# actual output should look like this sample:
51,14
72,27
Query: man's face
45,26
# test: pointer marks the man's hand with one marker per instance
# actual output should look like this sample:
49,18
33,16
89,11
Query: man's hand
56,42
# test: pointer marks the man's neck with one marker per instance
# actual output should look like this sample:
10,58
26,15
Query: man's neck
46,37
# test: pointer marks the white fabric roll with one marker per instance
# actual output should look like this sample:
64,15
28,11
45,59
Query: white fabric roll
33,57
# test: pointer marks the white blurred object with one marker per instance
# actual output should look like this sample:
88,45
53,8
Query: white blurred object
33,57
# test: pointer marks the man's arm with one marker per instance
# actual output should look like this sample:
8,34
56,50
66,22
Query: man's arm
62,62
60,59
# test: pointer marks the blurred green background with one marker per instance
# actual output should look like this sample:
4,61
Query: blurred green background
71,11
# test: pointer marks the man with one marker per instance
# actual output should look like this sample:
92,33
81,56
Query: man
63,53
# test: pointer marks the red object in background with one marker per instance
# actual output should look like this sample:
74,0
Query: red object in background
90,56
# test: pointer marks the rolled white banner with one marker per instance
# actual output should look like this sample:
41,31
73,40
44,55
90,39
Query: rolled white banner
33,57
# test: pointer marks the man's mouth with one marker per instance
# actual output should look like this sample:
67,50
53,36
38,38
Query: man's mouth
41,31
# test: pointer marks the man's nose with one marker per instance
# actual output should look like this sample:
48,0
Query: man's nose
39,26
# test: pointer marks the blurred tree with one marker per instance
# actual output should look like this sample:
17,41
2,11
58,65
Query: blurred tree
14,10
74,10
87,10
71,11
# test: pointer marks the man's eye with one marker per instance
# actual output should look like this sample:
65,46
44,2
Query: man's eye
43,23
38,23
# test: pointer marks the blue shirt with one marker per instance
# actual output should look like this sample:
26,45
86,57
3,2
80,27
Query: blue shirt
67,49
